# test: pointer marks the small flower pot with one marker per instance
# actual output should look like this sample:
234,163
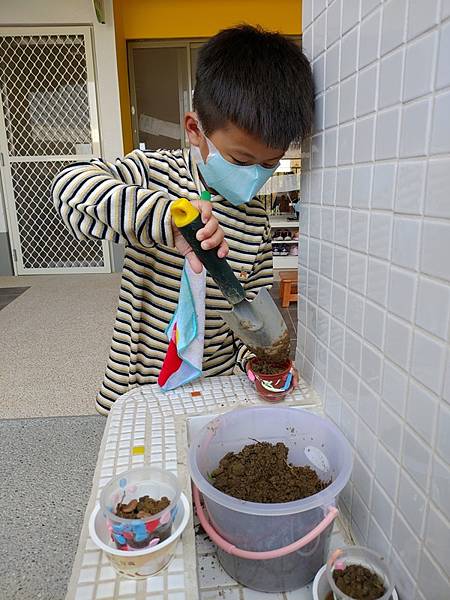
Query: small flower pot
272,387
342,558
321,588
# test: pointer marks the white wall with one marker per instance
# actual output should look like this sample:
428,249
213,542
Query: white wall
375,270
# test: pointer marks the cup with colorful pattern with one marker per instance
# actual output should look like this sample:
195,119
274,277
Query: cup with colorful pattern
149,529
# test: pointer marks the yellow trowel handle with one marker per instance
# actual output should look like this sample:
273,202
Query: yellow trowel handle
188,220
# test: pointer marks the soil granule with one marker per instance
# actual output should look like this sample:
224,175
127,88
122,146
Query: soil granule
266,367
261,473
142,508
359,582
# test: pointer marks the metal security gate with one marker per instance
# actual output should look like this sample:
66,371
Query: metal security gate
48,119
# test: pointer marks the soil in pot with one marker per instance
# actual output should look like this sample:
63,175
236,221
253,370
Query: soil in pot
142,508
266,367
359,582
261,472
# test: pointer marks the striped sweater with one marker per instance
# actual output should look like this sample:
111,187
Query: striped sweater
128,202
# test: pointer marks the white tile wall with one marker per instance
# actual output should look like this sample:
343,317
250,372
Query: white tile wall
374,327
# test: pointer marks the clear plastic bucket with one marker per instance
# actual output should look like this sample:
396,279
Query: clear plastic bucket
269,528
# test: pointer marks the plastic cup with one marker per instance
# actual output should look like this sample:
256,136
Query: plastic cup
137,534
321,588
357,555
144,563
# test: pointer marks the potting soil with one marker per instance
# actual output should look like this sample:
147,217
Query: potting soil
359,582
142,508
266,367
275,354
261,472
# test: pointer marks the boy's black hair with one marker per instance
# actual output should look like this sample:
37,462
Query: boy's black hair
258,80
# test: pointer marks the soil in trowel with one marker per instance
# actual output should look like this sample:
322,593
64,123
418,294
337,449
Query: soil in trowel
359,582
275,354
142,508
261,473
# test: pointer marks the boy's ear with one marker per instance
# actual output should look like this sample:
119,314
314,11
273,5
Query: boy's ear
192,128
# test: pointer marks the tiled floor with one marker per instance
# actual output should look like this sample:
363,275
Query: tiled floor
8,294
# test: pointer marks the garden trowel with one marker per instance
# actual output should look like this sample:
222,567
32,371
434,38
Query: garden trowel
258,323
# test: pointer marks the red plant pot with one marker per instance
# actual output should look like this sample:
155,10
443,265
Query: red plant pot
272,387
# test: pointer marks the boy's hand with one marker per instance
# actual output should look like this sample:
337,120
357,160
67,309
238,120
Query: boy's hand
211,236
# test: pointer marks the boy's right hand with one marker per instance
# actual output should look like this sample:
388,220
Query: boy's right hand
211,236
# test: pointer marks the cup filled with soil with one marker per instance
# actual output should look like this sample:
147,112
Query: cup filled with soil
145,562
357,573
139,507
273,379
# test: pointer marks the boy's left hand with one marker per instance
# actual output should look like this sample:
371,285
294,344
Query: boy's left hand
211,236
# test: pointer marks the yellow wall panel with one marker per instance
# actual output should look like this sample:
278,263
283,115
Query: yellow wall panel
165,19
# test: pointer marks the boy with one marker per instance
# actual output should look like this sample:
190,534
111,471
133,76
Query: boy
253,97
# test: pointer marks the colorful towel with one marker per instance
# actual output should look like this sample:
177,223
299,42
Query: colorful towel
186,332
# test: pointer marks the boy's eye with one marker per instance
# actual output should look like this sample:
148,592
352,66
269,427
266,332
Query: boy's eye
241,163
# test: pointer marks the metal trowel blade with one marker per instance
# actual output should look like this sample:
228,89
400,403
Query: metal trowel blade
259,324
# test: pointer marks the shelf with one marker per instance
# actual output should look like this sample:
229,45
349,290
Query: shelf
283,222
285,262
284,241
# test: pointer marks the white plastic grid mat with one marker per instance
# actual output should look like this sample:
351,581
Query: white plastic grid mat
145,420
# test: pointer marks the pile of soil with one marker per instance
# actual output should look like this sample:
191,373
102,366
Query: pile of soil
261,473
359,582
142,508
265,367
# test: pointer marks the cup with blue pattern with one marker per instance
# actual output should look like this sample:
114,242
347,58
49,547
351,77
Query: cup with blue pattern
147,531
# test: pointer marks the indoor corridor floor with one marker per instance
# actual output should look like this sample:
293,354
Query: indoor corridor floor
54,343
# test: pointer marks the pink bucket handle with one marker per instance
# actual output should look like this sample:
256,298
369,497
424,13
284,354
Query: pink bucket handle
332,513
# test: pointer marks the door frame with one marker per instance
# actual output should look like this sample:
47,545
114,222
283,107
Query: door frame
5,159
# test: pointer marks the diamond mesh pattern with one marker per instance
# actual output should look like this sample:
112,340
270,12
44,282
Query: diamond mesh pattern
44,93
45,242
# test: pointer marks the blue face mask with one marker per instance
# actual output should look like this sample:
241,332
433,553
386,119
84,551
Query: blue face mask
236,183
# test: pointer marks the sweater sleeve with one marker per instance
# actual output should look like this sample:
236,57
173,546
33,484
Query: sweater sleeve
261,276
114,201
